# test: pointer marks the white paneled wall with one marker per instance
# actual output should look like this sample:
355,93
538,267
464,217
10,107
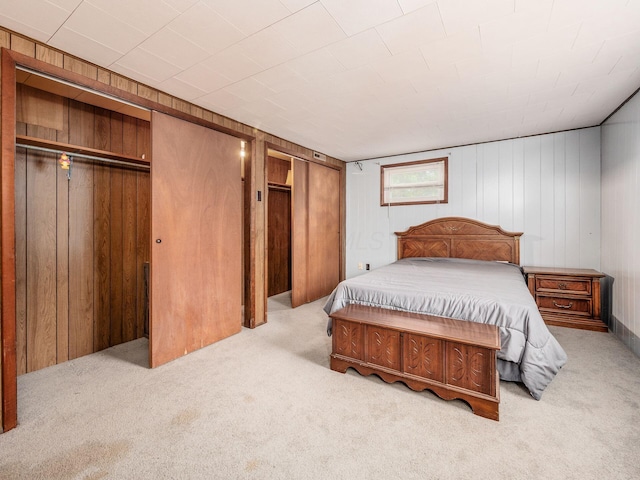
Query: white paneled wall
621,218
546,186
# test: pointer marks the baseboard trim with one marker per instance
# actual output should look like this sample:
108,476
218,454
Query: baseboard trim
626,336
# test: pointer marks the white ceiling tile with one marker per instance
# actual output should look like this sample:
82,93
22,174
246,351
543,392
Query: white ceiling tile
268,48
484,65
416,28
409,6
462,15
578,72
513,27
295,5
453,48
548,43
147,64
524,5
203,78
250,16
249,90
100,26
35,18
148,16
68,5
316,65
174,48
233,64
361,49
602,29
310,29
569,12
629,61
181,5
552,94
87,48
554,64
206,28
221,99
263,108
180,89
408,65
357,15
280,78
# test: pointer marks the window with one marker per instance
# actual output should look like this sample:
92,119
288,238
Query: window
424,181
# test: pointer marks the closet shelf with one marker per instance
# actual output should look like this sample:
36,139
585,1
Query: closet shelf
71,149
279,186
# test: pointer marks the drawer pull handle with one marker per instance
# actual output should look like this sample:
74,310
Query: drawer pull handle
562,286
562,306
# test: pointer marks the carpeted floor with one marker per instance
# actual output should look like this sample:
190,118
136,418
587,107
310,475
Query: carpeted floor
264,404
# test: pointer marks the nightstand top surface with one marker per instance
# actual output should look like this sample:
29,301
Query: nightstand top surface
574,272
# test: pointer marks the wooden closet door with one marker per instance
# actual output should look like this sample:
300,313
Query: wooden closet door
324,231
299,232
315,231
196,249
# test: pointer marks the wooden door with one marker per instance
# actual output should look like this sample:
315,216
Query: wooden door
315,231
324,231
279,241
196,235
299,232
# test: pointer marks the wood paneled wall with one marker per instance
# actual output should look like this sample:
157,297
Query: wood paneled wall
80,244
621,222
547,186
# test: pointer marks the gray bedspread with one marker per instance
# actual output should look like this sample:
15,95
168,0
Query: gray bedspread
479,291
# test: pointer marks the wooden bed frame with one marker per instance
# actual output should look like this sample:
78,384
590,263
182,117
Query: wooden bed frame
452,358
457,237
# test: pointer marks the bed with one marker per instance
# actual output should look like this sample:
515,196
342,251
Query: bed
467,270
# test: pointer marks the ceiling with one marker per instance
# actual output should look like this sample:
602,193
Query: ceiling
358,79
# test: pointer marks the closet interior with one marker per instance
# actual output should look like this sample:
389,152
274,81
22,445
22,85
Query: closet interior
82,232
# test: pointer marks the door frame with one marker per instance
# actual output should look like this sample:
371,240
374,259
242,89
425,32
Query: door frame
10,61
295,154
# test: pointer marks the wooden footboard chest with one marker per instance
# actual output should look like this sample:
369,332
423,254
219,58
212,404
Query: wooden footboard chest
452,358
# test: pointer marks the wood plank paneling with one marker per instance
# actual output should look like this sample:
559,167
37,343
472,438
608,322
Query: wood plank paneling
545,186
81,215
620,196
41,264
21,259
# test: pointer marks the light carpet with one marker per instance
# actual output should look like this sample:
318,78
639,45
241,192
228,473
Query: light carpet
264,404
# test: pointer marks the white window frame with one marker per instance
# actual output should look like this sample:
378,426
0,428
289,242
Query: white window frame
439,165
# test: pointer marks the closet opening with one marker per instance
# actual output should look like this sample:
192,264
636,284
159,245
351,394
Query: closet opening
280,184
82,232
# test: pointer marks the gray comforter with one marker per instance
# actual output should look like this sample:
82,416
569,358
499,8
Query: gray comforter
479,291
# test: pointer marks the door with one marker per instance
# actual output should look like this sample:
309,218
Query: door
315,231
196,235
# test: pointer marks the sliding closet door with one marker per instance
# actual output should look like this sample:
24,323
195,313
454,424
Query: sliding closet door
299,232
196,249
315,231
324,231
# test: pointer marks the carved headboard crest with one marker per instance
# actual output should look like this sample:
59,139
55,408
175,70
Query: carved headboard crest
457,237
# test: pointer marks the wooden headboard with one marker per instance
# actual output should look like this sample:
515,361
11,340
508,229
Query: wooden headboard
457,237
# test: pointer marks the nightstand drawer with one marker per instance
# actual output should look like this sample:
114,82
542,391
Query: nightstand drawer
566,305
575,286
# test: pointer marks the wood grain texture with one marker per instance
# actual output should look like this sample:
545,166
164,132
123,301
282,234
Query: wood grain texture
41,260
196,283
323,272
453,358
457,237
279,241
299,233
21,258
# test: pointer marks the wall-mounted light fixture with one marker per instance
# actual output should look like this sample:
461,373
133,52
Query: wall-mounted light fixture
65,162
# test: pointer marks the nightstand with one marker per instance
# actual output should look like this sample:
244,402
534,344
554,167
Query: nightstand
569,297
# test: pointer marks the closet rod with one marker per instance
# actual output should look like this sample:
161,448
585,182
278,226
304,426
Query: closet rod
87,157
